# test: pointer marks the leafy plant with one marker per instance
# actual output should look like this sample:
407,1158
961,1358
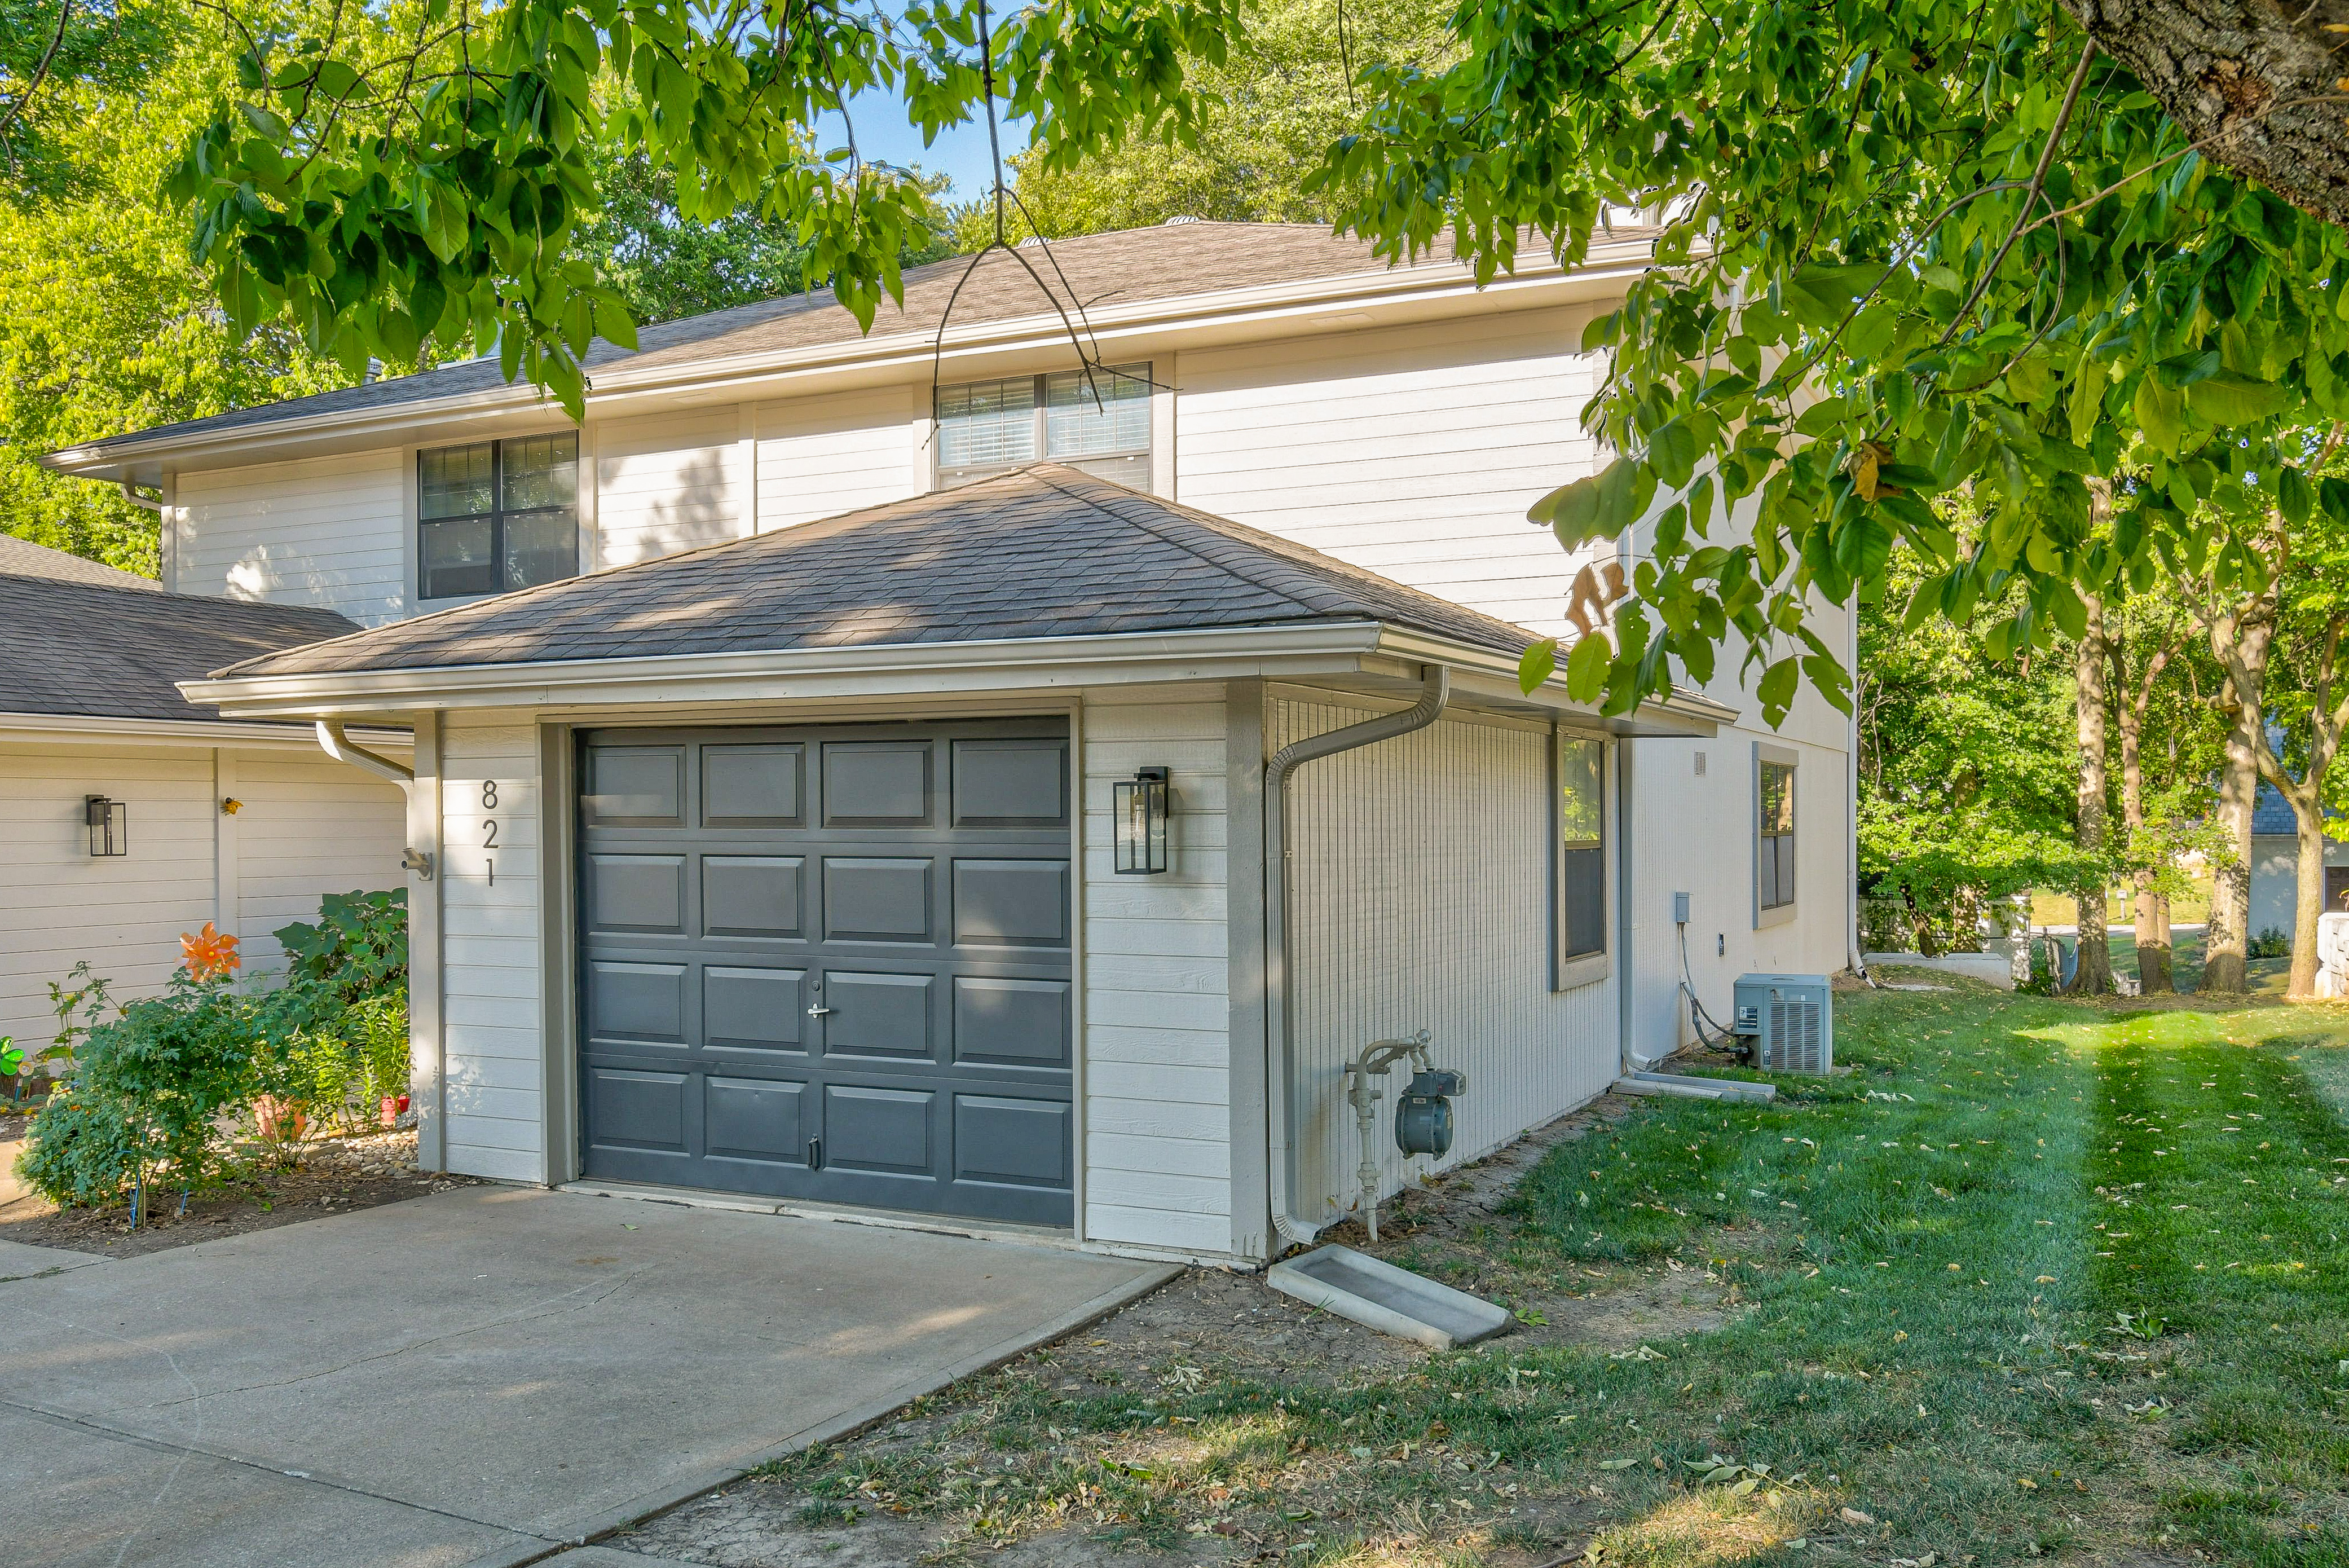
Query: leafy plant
141,1101
2268,944
359,944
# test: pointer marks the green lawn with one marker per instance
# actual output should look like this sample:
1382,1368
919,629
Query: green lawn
2035,1278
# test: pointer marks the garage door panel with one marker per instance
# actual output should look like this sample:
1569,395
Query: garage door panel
1010,782
635,1003
1007,1022
753,1009
1012,1142
633,787
637,1110
870,899
832,962
753,894
879,1015
876,784
758,1119
636,893
753,787
877,1130
1011,903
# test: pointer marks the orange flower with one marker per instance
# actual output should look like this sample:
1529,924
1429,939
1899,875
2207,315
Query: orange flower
209,954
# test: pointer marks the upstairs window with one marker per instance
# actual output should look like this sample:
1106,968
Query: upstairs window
497,516
1103,428
1581,867
1774,837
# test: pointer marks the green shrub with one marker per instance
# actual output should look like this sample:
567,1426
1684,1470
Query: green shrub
2271,943
139,1107
346,1069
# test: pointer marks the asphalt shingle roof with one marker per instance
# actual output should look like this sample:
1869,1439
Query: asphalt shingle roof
1046,551
101,650
1120,269
22,558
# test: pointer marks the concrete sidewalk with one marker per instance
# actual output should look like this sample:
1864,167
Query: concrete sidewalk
479,1376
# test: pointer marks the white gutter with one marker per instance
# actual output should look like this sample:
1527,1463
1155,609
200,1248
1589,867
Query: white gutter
94,728
130,492
723,379
1436,690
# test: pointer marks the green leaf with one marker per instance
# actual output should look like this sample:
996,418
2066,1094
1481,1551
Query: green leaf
2230,399
1586,667
2160,413
1597,506
2293,498
1776,690
1537,664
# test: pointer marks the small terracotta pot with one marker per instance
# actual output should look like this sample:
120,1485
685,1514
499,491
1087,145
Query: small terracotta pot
388,1113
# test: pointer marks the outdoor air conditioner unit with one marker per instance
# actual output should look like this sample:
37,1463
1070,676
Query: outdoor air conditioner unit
1790,1018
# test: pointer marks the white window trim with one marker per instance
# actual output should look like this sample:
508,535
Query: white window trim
1583,969
1787,757
1162,409
583,515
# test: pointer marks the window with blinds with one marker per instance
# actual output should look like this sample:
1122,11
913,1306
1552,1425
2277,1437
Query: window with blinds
497,516
1100,423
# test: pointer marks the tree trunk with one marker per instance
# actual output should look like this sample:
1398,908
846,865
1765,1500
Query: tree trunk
2225,939
2253,80
2308,827
2093,977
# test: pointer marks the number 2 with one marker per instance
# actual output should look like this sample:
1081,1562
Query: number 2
489,835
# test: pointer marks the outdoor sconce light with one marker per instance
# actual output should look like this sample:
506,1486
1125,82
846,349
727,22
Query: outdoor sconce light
1140,811
109,824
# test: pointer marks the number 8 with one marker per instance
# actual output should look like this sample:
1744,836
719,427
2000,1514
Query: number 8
489,794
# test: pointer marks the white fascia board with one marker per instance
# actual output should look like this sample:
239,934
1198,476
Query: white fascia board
885,669
1288,306
1493,676
90,729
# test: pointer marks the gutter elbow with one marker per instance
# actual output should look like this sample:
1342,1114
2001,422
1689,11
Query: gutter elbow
332,741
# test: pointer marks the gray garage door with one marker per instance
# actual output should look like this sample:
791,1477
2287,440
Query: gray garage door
830,963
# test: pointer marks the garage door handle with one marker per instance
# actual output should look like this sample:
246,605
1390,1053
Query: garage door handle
819,1011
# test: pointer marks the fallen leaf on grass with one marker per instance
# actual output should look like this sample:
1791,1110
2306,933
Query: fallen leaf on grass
1852,1516
1616,1464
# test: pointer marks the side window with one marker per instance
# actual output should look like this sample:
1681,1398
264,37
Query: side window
1099,423
1581,851
497,516
1774,836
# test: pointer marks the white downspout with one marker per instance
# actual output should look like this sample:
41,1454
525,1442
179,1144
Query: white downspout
331,742
1436,690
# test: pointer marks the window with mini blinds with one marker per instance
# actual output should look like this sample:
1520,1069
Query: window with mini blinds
1100,423
497,516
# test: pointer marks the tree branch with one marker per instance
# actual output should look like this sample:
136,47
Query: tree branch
40,73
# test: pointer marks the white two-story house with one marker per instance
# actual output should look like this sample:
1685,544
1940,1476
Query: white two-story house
902,770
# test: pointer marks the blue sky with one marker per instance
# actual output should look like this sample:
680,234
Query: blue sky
960,152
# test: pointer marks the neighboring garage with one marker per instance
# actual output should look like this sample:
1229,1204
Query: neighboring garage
830,963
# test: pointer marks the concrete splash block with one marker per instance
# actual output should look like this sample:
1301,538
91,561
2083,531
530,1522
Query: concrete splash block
1393,1301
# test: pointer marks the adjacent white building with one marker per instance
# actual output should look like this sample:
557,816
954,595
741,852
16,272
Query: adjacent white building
774,728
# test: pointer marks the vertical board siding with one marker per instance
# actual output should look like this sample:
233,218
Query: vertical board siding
330,532
310,825
666,483
492,1014
1414,452
822,456
1419,899
1157,977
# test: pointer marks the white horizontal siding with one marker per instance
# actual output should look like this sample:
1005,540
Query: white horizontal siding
309,826
493,1036
667,483
58,905
1156,982
822,456
330,532
1419,899
1412,451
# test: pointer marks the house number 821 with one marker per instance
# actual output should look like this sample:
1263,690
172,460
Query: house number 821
490,828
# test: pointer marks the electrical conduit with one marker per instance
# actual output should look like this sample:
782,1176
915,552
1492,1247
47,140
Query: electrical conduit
1436,690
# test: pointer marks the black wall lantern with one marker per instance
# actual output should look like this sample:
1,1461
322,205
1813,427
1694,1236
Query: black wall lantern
1141,805
109,824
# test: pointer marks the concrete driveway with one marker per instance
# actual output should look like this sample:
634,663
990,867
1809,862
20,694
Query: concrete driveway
476,1378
